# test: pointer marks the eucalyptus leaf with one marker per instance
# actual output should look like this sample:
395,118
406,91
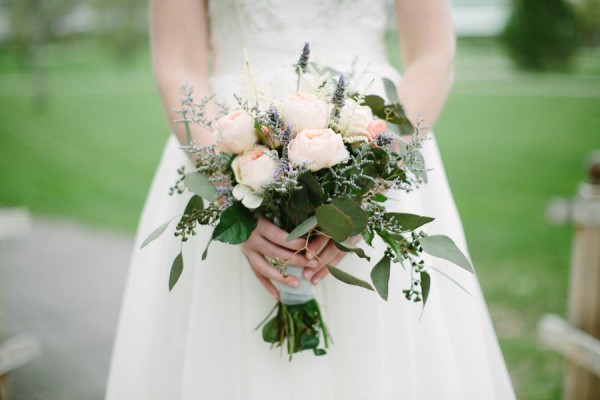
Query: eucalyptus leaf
195,203
302,229
354,211
350,248
334,222
176,270
205,252
270,331
425,286
368,236
390,90
409,222
235,225
376,104
199,184
309,341
155,234
380,275
314,188
347,278
319,352
443,247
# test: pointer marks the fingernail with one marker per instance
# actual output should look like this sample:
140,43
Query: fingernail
296,283
316,280
275,295
312,264
308,274
310,255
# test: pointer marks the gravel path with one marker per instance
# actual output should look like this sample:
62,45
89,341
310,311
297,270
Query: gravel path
63,283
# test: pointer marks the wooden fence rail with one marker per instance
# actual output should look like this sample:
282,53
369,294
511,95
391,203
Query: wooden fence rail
579,338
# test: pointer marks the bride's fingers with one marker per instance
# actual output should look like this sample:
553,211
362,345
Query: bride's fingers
268,285
283,255
277,235
323,272
262,267
325,257
316,246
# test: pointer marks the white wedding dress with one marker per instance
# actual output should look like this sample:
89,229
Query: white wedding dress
198,341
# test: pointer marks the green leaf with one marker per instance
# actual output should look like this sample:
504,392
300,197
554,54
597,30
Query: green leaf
380,275
303,228
409,222
309,341
297,209
195,203
354,211
205,252
270,331
390,90
443,247
199,184
375,103
236,224
155,234
368,236
425,286
334,222
347,278
347,247
380,198
314,188
319,352
176,270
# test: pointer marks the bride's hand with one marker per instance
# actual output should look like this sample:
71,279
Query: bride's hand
324,251
267,242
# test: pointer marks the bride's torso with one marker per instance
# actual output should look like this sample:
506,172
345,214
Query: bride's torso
272,32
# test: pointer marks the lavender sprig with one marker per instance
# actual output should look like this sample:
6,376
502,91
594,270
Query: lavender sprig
339,97
302,63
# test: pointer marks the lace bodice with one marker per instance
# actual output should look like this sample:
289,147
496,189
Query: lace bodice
272,32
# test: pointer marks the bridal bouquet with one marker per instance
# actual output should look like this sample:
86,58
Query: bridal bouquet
316,161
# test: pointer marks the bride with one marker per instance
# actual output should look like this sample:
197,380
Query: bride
198,341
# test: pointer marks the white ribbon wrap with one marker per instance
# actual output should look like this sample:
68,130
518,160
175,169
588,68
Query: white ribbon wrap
291,295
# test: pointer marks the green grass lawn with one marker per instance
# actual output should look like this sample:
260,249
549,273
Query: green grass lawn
510,142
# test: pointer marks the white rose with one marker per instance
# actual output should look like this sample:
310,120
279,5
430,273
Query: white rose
235,132
354,119
321,148
255,167
304,111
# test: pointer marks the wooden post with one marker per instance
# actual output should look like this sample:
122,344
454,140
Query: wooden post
584,292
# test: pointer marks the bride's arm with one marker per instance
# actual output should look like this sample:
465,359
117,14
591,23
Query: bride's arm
180,52
428,45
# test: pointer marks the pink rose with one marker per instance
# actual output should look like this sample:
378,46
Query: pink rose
255,167
235,132
375,127
319,148
304,111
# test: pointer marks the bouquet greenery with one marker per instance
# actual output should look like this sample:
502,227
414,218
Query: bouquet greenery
318,161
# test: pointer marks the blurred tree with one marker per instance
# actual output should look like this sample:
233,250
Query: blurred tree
542,34
123,25
31,24
588,15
